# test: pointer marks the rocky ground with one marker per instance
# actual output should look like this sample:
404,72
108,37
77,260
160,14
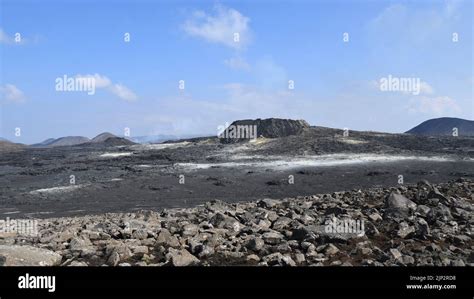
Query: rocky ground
36,182
412,225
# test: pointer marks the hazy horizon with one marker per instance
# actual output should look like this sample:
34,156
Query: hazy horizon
165,136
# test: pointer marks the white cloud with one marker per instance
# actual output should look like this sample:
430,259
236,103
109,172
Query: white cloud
220,27
4,38
105,83
425,88
237,63
100,81
11,93
436,106
123,92
9,40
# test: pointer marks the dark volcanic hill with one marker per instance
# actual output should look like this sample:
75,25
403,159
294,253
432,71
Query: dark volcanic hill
7,146
102,137
444,126
63,141
269,128
44,143
108,139
112,141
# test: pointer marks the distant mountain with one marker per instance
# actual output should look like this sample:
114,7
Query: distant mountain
7,146
102,137
62,141
444,126
44,143
108,139
4,139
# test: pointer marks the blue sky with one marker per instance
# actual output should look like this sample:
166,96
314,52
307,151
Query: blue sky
336,83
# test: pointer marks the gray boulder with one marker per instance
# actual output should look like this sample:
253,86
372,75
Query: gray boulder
180,258
16,255
165,238
398,205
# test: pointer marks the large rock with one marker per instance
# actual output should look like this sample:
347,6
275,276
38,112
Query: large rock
166,239
190,230
268,203
398,205
405,230
331,249
140,234
255,244
272,237
16,255
441,212
281,223
220,220
435,193
117,253
180,258
113,259
278,259
82,245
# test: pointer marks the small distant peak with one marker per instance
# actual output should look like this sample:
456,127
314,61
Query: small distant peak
103,137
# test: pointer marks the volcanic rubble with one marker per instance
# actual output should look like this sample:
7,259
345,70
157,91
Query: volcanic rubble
413,225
